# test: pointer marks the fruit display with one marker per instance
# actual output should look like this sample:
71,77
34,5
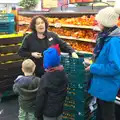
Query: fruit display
23,28
23,23
81,46
84,20
119,22
69,32
80,1
24,19
81,21
77,33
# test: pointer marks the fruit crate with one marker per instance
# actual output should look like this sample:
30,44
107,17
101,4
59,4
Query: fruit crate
75,69
77,105
74,115
78,94
7,23
77,102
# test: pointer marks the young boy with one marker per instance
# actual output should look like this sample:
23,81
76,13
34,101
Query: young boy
26,87
52,88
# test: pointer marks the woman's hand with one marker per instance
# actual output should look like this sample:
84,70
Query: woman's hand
74,55
36,55
87,68
88,61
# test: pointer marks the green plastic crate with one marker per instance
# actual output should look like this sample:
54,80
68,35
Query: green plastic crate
78,94
75,70
77,105
74,115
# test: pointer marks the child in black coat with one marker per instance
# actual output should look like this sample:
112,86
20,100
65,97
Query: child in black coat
52,88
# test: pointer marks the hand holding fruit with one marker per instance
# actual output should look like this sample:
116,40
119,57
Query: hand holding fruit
74,55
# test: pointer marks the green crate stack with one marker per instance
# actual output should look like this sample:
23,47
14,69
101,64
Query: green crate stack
7,23
77,102
74,115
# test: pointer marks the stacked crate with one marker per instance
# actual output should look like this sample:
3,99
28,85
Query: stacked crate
10,64
77,102
7,23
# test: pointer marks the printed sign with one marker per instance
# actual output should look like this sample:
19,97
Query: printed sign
49,4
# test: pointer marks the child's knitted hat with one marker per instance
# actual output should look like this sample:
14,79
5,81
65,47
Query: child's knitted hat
51,57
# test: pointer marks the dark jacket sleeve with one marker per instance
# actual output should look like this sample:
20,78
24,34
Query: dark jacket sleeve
24,49
40,99
63,45
17,84
15,88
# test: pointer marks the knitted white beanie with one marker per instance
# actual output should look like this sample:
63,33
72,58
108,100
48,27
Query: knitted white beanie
108,16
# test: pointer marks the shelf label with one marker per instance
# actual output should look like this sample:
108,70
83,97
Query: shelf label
58,25
94,40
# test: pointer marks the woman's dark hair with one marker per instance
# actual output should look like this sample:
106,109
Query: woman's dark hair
33,22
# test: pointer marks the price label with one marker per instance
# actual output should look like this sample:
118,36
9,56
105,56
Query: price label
58,25
94,41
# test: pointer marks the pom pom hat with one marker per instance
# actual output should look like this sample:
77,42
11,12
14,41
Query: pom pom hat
51,57
108,16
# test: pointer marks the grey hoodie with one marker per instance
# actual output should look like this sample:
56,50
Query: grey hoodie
26,87
116,32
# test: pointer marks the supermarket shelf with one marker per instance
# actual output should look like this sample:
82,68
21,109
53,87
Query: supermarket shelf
8,54
83,52
77,39
58,25
71,26
23,23
11,45
73,38
11,35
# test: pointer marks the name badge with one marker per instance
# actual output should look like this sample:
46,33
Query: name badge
50,39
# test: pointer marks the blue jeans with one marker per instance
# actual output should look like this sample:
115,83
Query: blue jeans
23,115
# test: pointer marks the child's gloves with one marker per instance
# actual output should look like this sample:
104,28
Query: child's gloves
74,55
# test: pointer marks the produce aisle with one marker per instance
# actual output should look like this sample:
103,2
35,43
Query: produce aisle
77,30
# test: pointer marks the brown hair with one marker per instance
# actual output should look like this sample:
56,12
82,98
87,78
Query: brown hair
33,22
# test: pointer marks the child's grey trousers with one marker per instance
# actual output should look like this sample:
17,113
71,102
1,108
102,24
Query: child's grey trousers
52,118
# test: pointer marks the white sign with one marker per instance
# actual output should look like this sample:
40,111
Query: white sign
117,3
9,1
51,4
111,0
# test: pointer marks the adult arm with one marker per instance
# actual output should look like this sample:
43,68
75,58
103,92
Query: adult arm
24,49
112,67
66,47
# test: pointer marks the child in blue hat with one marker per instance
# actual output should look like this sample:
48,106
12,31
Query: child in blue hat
52,88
